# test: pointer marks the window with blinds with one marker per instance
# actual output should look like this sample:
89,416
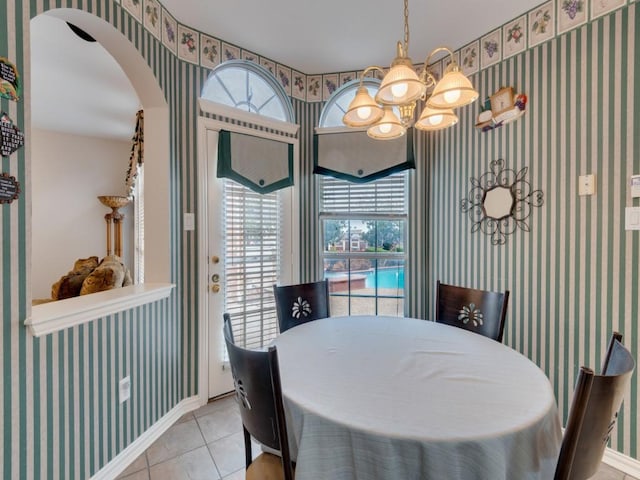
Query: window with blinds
138,243
253,225
363,228
385,196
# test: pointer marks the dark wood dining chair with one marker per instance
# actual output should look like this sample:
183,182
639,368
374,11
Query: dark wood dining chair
479,311
593,413
256,377
301,303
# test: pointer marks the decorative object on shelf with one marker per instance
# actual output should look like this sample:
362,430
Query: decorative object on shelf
11,138
90,276
9,188
10,85
501,108
401,88
136,159
500,202
114,202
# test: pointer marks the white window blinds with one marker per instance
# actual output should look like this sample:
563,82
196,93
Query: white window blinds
383,196
253,226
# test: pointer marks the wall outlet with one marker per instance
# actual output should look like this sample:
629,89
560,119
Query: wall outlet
125,389
587,184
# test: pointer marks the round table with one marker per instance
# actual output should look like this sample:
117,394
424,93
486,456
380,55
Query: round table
372,398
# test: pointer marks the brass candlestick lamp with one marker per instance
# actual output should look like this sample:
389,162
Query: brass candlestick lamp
114,218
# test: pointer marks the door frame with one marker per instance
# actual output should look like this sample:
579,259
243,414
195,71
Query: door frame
289,134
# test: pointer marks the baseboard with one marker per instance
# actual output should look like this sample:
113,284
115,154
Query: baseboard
121,461
621,462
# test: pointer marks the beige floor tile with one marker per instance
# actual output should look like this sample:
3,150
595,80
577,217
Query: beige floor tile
228,453
180,438
605,472
220,423
239,475
138,464
194,465
141,475
219,404
185,418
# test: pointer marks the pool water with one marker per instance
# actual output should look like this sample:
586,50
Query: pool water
387,278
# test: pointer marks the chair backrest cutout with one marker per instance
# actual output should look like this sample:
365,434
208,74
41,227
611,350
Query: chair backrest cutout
301,303
479,311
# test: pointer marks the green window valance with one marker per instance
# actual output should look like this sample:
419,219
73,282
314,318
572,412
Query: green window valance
261,164
353,156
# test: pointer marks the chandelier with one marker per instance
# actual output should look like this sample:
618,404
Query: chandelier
401,88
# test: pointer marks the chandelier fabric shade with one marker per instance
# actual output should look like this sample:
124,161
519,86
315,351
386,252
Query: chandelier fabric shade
363,110
388,127
402,87
433,119
453,91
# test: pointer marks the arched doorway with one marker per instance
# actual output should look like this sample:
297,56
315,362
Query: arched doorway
157,228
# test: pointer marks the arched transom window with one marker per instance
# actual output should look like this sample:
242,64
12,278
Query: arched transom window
250,88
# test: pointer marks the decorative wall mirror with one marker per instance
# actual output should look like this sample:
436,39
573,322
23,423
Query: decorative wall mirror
500,202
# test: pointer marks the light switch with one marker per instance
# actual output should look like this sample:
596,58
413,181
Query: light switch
634,183
586,184
189,221
632,218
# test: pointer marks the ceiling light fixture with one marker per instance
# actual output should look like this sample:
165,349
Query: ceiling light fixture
401,88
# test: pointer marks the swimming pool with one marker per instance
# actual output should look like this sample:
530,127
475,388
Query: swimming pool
386,278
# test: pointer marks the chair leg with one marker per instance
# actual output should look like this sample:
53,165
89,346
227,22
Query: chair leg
248,457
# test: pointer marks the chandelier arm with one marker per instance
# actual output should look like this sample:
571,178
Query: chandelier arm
438,50
367,70
427,78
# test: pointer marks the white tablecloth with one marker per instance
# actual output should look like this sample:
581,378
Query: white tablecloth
374,398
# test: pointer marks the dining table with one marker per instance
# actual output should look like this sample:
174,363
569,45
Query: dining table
391,398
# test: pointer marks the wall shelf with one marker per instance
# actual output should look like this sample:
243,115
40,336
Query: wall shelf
55,316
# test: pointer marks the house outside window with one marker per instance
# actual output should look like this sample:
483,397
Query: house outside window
363,229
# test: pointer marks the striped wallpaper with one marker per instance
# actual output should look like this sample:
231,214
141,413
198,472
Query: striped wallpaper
574,277
60,416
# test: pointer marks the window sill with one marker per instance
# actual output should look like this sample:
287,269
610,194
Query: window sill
52,317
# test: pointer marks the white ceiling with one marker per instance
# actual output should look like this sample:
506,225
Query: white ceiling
324,36
78,87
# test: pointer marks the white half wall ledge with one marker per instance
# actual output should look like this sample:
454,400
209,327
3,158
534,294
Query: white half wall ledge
55,316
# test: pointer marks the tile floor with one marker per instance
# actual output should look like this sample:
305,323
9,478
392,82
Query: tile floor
207,444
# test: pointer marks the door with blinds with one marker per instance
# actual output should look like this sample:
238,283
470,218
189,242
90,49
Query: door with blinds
250,250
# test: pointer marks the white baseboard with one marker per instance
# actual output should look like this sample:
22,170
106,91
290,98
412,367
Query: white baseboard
121,461
621,462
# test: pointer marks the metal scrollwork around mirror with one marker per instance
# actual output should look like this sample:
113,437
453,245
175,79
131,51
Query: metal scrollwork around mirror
500,202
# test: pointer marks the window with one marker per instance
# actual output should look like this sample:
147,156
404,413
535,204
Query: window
248,87
363,229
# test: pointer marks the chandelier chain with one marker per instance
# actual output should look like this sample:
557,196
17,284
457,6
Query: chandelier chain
406,27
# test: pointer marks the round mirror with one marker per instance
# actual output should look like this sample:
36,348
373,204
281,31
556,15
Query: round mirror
498,202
